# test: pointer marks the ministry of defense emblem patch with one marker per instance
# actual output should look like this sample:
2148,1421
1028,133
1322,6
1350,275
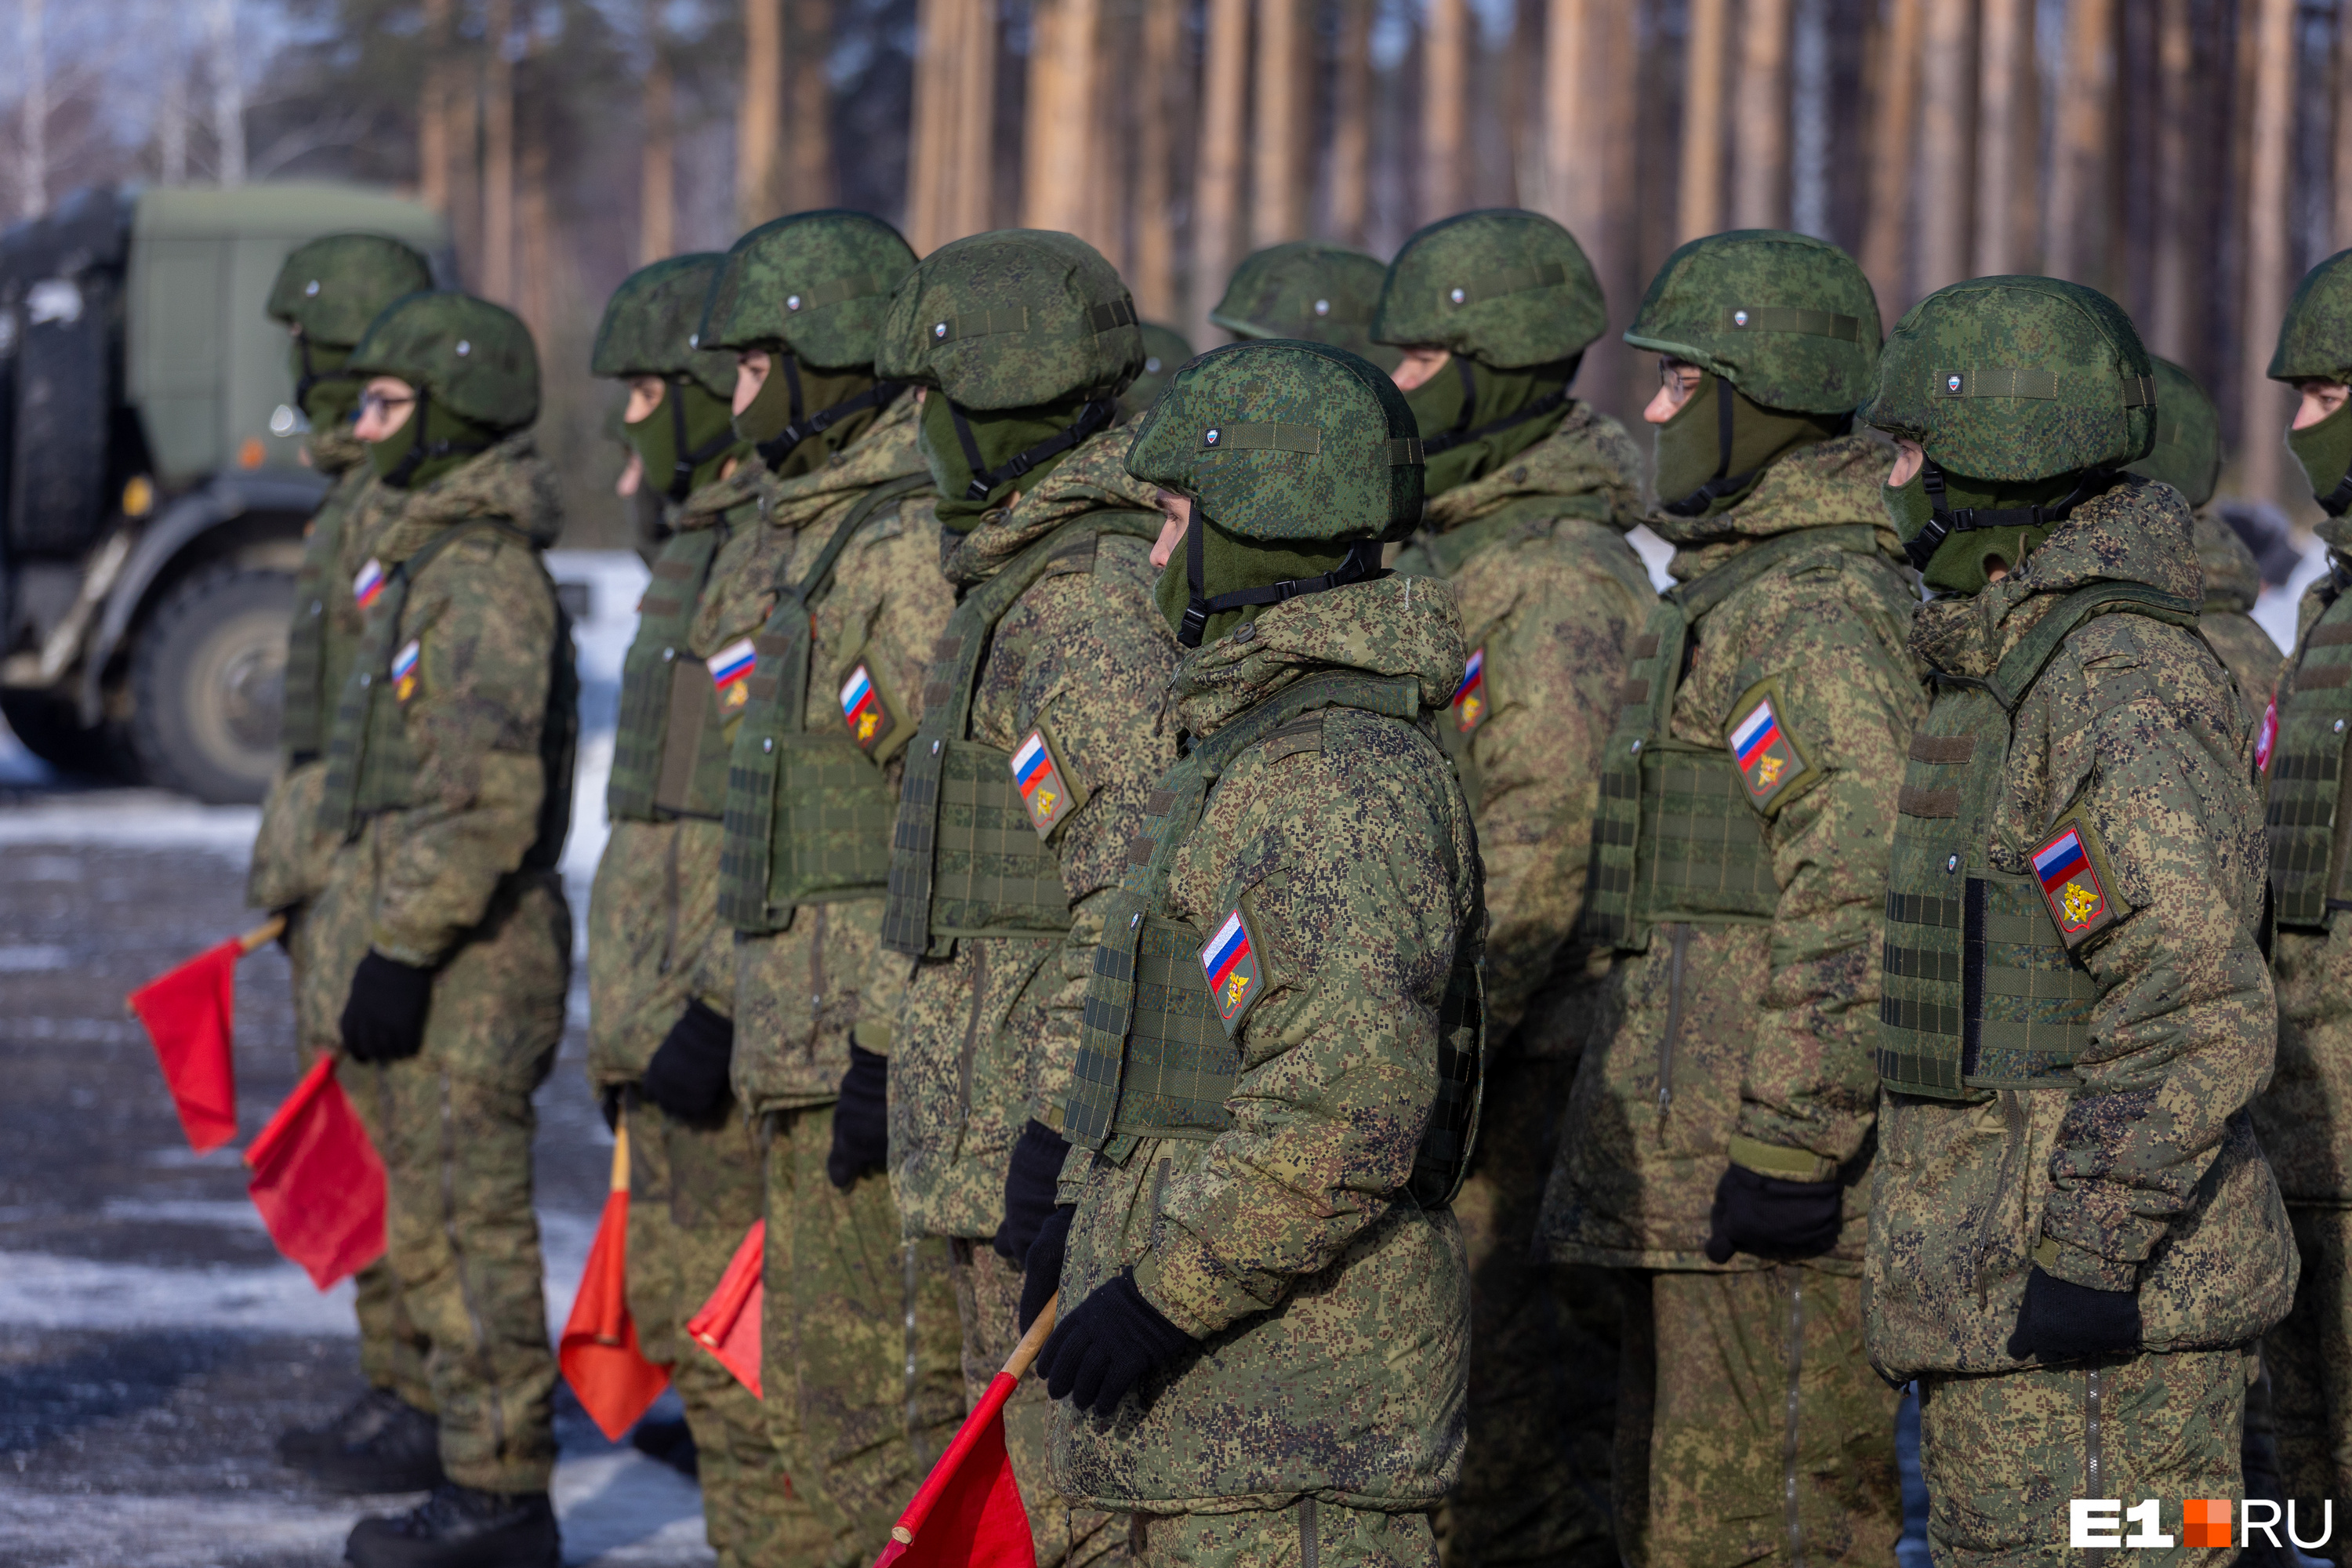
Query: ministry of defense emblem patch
404,670
869,717
1769,762
1039,779
2076,882
1230,961
1470,697
367,586
730,673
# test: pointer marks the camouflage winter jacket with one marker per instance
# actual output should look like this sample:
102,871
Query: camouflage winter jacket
2233,581
1333,1308
1751,1039
2142,1172
1550,594
989,1035
653,910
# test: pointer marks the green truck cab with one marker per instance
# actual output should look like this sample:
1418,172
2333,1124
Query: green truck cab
152,491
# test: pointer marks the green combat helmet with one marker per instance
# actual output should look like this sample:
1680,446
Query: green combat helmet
2028,395
329,290
1164,349
1027,338
1311,291
649,330
1787,329
812,289
2314,344
475,370
1301,460
1510,296
2188,451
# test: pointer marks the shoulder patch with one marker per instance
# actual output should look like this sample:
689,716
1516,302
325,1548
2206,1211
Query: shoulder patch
730,673
2078,881
1037,773
405,670
367,586
866,708
1772,762
1229,959
1470,700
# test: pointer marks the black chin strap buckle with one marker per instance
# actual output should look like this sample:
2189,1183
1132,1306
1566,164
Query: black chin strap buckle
1096,415
1943,522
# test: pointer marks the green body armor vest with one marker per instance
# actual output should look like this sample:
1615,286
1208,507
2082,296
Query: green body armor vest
2307,809
371,766
318,651
1979,991
964,860
808,813
1154,1060
669,751
1676,839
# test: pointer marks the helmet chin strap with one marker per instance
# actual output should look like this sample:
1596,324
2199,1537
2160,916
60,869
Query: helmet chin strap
1462,430
1724,482
1096,415
1363,562
682,462
309,379
1944,522
774,450
421,451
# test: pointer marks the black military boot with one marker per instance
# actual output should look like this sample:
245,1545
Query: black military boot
381,1444
458,1527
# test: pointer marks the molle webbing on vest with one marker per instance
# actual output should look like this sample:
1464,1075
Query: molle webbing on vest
2307,809
807,814
964,860
657,675
1674,837
1978,991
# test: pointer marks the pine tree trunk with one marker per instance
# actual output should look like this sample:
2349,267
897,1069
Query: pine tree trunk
1698,207
2168,322
1351,137
1154,222
1277,205
812,106
931,112
1895,119
2002,85
1445,115
1943,137
498,155
973,196
433,112
1058,140
2341,225
1759,149
2078,154
759,115
1216,202
2265,403
656,187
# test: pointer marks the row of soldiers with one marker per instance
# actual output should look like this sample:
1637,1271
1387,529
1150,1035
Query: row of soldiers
1488,1063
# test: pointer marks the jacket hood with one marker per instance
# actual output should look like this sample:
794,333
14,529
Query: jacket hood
1586,454
510,480
1388,627
885,452
1832,484
2234,578
2137,532
1092,479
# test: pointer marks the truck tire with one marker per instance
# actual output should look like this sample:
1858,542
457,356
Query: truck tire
208,683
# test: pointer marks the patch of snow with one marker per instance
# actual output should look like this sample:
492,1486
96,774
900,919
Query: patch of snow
132,819
39,1290
31,960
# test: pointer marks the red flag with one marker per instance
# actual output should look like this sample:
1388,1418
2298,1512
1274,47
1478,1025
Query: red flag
728,1324
187,1012
598,1352
317,1181
969,1512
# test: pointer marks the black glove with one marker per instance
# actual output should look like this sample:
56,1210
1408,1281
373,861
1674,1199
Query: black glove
1041,1275
861,1121
1029,1182
1771,1218
1113,1340
2062,1321
383,1021
687,1077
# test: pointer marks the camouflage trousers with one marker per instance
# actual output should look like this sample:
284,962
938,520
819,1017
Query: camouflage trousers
2309,1360
988,1300
2003,1454
693,1192
1543,1352
858,1345
1750,1426
1306,1534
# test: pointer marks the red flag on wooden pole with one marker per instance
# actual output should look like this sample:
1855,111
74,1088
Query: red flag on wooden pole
598,1352
317,1181
189,1013
967,1513
728,1324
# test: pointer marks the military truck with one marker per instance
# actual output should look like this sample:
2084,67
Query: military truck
152,491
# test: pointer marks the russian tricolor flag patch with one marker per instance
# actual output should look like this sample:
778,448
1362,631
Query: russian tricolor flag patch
730,669
367,586
869,717
1229,958
1769,761
1470,697
2067,867
1044,794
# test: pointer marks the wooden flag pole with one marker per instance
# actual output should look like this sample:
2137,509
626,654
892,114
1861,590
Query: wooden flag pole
1017,1365
260,936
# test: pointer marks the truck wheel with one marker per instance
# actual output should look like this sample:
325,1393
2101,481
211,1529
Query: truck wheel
208,681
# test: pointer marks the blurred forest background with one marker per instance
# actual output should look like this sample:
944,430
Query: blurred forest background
2190,157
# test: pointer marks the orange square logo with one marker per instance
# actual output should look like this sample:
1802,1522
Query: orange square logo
2205,1522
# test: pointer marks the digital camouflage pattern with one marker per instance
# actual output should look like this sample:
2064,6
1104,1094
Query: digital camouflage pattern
1306,1533
2188,451
815,283
443,882
1787,319
2003,1455
649,325
1756,1042
2017,378
1270,440
1753,1428
2233,581
1333,1312
333,286
1164,352
476,359
2308,1358
1012,319
1502,285
1309,289
2149,1176
989,1035
2315,338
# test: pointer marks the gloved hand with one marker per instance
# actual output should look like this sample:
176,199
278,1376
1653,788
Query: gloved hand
1113,1340
2062,1321
384,1020
1029,1183
687,1076
861,1121
1771,1218
1041,1273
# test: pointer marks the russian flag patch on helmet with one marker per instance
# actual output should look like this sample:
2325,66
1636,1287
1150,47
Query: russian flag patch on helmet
1229,958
